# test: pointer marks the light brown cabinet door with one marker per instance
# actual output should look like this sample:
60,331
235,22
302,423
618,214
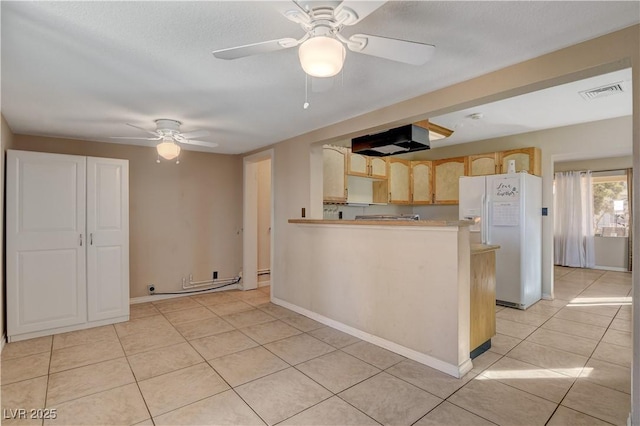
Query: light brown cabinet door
421,182
362,165
399,181
333,174
527,159
483,164
378,167
357,165
446,179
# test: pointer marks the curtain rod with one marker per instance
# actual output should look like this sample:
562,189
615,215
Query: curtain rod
624,169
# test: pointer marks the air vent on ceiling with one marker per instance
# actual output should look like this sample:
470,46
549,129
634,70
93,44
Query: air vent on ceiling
602,91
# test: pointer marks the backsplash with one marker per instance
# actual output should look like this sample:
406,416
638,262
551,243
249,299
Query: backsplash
332,211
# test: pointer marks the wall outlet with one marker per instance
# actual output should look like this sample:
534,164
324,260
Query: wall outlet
215,275
151,289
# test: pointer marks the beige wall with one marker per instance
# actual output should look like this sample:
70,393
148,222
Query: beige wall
6,139
184,218
264,219
292,183
405,289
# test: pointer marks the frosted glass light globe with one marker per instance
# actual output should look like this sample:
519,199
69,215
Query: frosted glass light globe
168,150
321,56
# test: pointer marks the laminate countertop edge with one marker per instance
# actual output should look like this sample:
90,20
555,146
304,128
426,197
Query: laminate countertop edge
383,222
483,248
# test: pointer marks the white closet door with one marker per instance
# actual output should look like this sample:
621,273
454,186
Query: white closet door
108,238
46,283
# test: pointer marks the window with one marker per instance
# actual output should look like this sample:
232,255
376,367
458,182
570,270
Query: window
610,204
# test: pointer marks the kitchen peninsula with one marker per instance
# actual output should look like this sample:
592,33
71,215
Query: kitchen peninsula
402,285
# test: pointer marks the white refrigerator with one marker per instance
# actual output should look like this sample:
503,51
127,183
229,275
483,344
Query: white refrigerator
507,210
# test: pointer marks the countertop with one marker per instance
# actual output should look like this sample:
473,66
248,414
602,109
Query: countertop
383,222
482,248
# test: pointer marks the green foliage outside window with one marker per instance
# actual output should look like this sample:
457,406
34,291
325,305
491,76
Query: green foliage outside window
610,207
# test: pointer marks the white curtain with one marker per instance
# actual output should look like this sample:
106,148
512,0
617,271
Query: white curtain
573,220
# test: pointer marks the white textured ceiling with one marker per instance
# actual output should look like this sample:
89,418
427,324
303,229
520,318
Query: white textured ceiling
84,69
553,107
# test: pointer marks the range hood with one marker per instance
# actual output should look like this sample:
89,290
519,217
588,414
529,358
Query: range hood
409,138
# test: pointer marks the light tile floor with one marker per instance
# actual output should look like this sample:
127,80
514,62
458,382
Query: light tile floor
234,358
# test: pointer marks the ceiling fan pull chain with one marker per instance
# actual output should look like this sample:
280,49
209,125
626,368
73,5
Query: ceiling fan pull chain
306,91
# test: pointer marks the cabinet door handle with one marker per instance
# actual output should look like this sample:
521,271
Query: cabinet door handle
389,196
80,240
91,238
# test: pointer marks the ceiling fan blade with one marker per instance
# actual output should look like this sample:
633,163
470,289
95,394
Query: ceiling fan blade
129,137
409,52
143,129
199,143
255,48
195,134
350,12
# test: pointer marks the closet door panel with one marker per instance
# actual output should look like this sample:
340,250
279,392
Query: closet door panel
108,230
47,292
46,284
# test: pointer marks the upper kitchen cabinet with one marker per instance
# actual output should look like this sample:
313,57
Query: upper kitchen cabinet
399,181
527,159
421,182
484,164
362,165
334,166
446,178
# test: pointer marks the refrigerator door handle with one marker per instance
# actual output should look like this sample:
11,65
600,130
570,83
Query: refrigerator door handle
484,223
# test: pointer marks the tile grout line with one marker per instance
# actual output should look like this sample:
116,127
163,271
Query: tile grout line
135,378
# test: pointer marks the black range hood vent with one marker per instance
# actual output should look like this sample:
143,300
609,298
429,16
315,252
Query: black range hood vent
409,138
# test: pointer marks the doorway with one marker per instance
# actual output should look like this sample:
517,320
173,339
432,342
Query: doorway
257,220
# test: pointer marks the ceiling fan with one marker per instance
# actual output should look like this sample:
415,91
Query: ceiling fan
168,131
322,51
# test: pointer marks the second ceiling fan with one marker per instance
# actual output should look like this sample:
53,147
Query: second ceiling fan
322,48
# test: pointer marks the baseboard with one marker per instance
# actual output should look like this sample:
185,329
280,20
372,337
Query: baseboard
156,297
445,367
611,268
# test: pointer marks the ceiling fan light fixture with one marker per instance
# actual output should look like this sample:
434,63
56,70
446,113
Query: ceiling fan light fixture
322,56
168,149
